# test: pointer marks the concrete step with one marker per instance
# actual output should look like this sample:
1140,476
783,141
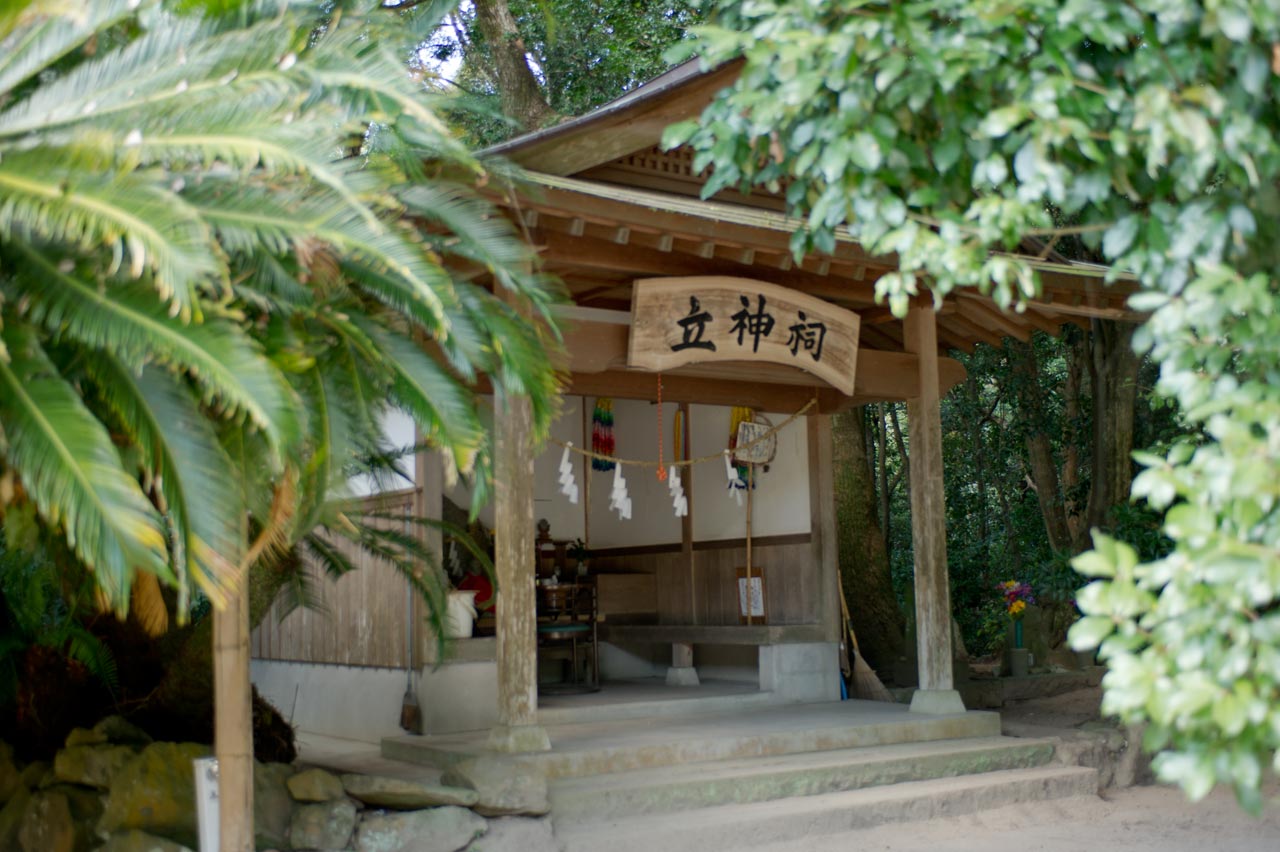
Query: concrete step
559,711
700,785
744,826
611,746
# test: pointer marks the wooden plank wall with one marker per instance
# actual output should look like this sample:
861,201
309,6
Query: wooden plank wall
361,619
707,595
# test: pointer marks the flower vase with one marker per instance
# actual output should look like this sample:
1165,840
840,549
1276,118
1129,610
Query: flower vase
1017,633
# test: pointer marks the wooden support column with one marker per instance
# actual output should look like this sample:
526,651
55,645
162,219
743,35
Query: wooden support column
936,693
822,524
233,723
517,729
428,479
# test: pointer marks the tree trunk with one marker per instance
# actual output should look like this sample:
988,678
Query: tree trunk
518,88
1113,372
1044,470
864,563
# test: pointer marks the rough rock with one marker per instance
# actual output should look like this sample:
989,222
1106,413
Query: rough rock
11,818
506,787
517,834
86,809
10,775
84,737
272,806
46,824
155,792
118,731
140,841
327,825
380,792
33,775
315,785
91,765
446,829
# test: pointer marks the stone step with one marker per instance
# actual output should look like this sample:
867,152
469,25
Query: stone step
573,712
700,785
621,746
745,826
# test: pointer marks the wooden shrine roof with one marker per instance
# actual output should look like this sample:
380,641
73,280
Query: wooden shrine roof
604,206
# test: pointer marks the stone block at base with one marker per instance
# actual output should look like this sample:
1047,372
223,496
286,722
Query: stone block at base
519,739
682,676
936,702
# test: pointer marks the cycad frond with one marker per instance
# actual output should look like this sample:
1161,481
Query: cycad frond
231,370
183,457
72,470
44,33
45,195
177,60
426,390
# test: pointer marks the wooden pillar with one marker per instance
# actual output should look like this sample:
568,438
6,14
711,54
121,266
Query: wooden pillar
233,724
824,547
428,480
936,693
516,615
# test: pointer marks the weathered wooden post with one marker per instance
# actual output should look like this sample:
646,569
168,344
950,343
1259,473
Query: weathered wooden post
936,692
233,723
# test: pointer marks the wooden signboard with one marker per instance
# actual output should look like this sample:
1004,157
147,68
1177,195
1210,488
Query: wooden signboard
680,321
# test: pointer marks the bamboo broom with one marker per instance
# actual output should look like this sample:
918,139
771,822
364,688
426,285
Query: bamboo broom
865,683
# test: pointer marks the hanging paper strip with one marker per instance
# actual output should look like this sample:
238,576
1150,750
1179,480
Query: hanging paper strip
619,501
568,487
736,485
602,433
741,414
679,502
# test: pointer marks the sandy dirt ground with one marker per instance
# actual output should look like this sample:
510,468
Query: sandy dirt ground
1139,819
1135,819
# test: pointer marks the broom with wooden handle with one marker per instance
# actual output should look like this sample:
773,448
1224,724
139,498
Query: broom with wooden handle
865,683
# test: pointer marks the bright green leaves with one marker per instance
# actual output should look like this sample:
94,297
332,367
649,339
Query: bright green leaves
1151,131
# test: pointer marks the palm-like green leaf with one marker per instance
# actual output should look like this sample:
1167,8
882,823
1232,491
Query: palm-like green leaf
56,199
231,370
181,453
73,471
209,223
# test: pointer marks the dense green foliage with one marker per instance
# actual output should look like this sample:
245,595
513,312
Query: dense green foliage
222,246
942,129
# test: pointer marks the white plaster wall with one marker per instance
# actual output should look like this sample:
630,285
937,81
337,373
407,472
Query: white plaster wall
352,702
781,499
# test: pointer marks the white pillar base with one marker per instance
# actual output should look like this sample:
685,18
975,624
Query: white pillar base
682,676
936,702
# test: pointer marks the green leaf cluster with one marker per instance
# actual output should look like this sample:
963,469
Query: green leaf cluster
223,249
945,132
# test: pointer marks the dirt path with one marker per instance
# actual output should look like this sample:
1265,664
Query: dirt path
1135,819
1139,819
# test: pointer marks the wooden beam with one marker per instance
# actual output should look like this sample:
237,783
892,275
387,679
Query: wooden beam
985,314
958,327
566,252
600,348
928,514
